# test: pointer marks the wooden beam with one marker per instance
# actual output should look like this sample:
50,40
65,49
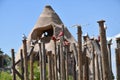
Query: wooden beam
104,51
43,60
13,64
19,75
31,67
85,67
66,61
97,68
49,65
25,59
74,68
80,69
40,59
62,57
22,64
55,61
52,64
117,63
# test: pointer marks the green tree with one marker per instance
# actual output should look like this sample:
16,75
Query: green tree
1,52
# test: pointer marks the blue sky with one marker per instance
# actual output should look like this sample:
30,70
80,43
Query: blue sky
19,16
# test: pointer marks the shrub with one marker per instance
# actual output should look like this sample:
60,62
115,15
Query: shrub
5,76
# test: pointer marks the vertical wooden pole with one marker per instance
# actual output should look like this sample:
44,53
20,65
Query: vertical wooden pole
118,59
74,68
109,58
85,69
49,66
25,59
75,52
117,64
31,67
66,62
101,67
58,61
55,61
97,68
13,64
80,70
52,64
43,60
62,57
22,64
40,59
104,51
93,63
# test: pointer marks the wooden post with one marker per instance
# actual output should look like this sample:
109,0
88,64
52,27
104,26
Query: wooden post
93,62
117,64
101,67
25,59
75,52
85,68
62,57
80,69
13,64
74,68
31,67
55,61
118,59
49,66
97,68
43,60
104,51
66,61
22,64
40,59
109,58
52,64
58,61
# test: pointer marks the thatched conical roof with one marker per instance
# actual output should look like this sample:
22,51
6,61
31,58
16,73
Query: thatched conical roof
46,18
49,22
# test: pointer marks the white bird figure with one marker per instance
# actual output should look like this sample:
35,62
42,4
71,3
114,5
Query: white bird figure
24,37
105,27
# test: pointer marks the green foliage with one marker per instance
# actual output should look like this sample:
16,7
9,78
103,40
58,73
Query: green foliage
36,71
1,52
5,76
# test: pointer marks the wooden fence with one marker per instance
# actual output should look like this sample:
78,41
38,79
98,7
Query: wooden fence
90,60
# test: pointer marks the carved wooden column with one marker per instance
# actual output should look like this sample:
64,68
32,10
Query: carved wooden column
104,51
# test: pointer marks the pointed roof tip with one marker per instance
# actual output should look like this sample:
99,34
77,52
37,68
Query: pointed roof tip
48,7
47,17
